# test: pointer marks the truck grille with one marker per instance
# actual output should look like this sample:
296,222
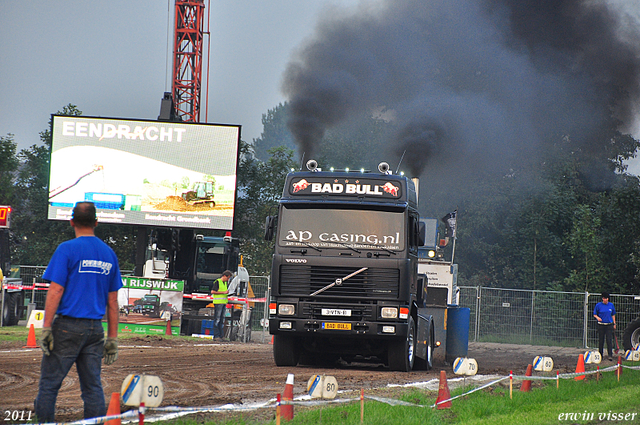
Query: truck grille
301,281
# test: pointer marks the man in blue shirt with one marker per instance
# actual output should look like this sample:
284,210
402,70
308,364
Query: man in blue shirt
85,278
605,314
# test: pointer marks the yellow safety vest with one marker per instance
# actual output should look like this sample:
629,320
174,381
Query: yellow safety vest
220,298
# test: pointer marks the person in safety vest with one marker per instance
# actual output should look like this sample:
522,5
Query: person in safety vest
220,294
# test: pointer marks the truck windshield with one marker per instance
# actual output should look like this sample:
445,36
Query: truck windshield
210,259
335,228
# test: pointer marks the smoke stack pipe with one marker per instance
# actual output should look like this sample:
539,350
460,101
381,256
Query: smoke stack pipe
416,182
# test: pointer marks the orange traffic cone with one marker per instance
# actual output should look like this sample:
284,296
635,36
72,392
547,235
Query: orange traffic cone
443,392
526,384
271,340
580,368
287,409
168,331
31,338
114,409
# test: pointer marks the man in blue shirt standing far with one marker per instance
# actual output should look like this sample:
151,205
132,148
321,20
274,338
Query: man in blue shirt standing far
85,278
605,314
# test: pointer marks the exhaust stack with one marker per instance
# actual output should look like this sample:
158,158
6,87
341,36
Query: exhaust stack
416,182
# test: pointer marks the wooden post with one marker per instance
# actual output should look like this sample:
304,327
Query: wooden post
361,405
511,384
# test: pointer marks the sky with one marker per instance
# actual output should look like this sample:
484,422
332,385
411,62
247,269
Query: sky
110,59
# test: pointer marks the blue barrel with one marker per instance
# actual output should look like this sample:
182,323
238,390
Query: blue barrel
457,332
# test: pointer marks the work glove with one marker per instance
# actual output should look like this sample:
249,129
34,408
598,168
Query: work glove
110,352
46,341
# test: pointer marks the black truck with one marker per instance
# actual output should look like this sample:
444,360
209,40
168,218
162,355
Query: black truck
344,277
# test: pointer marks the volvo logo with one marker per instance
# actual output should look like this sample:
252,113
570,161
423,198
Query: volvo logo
296,260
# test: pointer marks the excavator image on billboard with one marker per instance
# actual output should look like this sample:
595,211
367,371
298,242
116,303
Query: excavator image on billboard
201,193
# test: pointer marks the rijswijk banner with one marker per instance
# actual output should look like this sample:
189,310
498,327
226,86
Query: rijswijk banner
147,304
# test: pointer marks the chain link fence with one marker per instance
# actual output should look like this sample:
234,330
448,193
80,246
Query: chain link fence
540,317
259,310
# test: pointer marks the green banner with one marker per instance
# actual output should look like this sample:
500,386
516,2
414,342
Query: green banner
157,284
132,328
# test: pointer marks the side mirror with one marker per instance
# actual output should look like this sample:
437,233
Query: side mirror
422,233
269,227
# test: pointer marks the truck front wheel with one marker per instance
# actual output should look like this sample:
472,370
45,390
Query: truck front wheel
10,315
285,350
401,354
631,336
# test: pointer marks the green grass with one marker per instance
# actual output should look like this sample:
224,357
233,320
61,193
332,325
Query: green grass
21,333
15,333
492,406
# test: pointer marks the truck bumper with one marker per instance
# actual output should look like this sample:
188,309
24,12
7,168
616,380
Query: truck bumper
337,329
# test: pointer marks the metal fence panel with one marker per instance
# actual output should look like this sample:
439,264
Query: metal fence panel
259,313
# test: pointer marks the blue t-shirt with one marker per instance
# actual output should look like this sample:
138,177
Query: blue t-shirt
605,311
88,270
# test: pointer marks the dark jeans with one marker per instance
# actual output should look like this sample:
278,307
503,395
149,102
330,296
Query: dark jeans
218,325
605,331
78,341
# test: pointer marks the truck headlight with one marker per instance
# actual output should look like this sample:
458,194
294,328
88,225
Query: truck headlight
286,309
389,312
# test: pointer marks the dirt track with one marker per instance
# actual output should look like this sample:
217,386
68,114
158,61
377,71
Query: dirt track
203,373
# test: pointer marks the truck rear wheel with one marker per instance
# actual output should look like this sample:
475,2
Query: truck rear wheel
631,336
402,354
285,350
10,312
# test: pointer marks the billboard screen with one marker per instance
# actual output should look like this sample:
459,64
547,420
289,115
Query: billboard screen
152,173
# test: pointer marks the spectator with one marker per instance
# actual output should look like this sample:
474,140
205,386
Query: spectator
605,314
85,278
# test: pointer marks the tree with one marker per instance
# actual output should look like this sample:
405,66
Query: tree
36,236
274,132
8,167
260,185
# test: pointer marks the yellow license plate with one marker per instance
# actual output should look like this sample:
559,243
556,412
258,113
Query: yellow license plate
338,326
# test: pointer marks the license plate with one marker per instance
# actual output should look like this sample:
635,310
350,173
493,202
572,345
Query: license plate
335,312
337,326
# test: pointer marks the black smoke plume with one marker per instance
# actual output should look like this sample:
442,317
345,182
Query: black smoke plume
471,84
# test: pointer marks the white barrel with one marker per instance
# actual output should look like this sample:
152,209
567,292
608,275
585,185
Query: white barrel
596,357
588,357
329,387
314,386
321,386
542,364
465,366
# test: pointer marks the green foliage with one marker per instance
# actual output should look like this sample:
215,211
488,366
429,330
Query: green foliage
274,132
35,237
8,167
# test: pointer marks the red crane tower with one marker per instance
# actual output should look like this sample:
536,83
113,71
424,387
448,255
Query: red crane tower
188,59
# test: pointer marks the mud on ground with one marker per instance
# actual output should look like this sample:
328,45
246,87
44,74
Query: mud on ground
201,372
